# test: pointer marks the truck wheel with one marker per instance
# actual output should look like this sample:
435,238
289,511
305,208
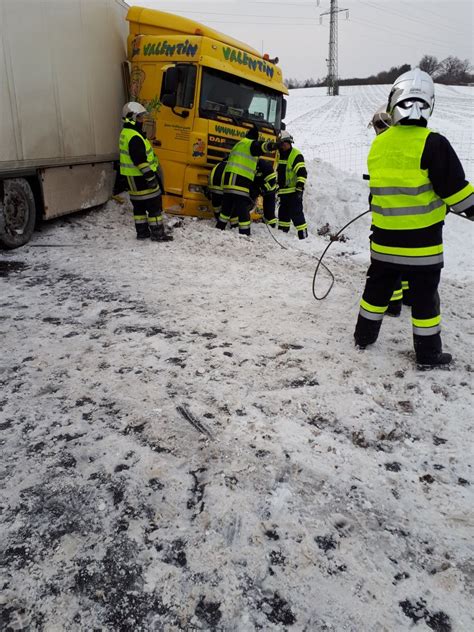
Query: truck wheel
17,213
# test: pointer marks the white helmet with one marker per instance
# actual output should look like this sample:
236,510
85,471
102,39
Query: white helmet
285,136
411,96
132,110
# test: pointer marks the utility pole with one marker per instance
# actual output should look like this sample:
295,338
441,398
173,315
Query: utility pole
333,85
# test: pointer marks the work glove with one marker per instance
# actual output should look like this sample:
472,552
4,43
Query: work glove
299,194
272,146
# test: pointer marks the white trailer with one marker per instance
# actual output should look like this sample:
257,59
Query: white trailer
61,95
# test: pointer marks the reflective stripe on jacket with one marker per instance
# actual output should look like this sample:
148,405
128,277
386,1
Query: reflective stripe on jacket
291,173
127,167
215,178
270,183
403,199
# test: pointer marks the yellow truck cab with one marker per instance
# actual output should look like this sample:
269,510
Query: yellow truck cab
203,91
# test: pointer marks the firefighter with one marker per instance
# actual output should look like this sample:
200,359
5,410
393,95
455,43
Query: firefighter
214,188
139,165
239,175
292,176
381,121
264,184
415,176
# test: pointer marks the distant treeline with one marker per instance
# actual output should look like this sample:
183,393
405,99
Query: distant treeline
452,71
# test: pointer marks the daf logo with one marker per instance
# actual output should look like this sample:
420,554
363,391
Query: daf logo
217,140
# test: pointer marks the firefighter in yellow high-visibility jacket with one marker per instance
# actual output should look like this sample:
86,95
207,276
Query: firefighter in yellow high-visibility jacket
292,176
415,176
238,178
264,184
139,165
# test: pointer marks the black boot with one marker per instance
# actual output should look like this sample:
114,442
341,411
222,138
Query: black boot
429,354
143,232
394,308
303,233
439,359
366,332
157,233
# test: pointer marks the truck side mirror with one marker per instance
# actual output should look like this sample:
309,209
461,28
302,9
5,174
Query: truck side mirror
283,108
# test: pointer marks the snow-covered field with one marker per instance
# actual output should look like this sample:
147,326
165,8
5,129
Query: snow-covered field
338,129
189,441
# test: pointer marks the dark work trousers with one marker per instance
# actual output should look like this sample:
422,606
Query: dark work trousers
145,213
269,204
401,293
291,210
236,206
381,282
216,202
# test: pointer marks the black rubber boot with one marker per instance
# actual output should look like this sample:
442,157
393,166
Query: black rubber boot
394,309
143,232
221,225
302,234
434,361
366,332
157,233
429,354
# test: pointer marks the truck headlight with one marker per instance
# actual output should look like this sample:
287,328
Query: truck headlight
195,188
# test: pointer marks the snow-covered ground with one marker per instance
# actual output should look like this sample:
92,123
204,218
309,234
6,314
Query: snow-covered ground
190,441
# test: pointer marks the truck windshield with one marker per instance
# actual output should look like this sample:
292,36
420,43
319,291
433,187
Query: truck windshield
240,100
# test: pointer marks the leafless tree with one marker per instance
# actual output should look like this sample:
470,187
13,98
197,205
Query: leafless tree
429,64
454,70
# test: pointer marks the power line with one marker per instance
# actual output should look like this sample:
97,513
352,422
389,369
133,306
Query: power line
310,22
410,18
250,15
306,24
398,33
306,18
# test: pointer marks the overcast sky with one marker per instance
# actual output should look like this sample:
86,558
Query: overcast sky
378,34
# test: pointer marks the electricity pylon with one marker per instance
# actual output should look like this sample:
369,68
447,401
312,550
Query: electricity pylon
332,80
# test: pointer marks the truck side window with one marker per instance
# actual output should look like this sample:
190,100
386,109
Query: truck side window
183,84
